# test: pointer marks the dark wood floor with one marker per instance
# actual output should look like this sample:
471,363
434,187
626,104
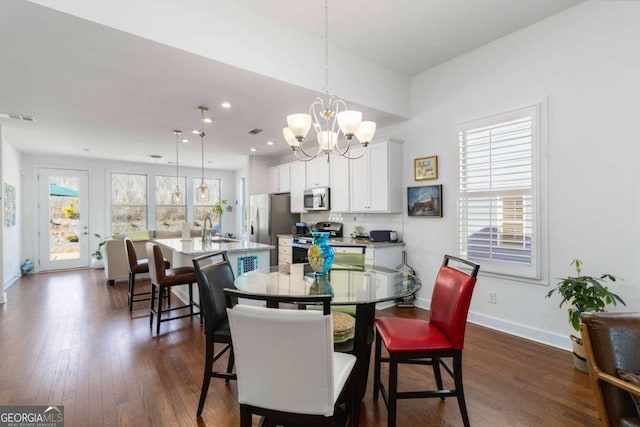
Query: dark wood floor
68,338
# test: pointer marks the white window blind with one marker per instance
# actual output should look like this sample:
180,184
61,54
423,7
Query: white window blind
497,203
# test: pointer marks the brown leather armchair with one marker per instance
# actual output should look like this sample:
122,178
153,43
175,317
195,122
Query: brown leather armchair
612,343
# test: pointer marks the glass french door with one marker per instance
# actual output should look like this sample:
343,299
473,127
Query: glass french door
63,218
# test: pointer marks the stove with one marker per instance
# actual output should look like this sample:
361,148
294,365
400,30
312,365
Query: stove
300,244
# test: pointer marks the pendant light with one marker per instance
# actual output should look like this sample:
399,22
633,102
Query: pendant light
177,194
203,190
330,118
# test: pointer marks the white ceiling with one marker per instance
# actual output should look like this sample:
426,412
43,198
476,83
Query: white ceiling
99,92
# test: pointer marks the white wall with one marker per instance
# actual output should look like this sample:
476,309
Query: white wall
586,62
99,198
11,260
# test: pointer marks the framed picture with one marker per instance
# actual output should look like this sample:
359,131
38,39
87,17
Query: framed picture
425,168
425,201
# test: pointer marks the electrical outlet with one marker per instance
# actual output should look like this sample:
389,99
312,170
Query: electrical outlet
492,297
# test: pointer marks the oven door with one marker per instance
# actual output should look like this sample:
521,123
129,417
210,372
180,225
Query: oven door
299,255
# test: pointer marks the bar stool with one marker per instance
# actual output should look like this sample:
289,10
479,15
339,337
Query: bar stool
138,266
163,280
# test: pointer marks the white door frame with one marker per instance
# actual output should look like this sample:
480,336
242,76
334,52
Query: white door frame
47,262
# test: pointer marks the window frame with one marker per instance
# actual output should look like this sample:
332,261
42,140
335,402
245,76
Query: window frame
182,183
111,204
537,272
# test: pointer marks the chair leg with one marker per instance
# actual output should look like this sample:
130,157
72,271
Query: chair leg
376,367
457,370
191,298
208,367
132,281
153,299
245,416
435,363
230,363
393,389
160,292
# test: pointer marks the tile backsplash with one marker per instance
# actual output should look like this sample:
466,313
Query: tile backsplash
367,221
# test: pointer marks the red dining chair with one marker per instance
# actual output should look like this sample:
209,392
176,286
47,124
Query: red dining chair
421,342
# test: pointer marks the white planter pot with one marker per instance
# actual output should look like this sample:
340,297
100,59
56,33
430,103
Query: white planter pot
97,263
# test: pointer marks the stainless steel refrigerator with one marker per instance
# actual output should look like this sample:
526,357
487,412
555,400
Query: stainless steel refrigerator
271,215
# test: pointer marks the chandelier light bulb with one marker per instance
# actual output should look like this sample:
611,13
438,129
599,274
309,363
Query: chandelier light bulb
327,140
290,138
300,124
349,122
365,132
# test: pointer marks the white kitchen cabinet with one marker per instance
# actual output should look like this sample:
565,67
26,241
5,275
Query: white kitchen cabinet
279,179
339,184
297,185
284,250
318,172
375,179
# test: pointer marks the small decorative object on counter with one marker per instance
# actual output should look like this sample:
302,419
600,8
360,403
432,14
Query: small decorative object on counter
27,267
320,253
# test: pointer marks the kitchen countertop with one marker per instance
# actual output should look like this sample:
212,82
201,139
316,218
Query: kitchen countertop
195,247
348,241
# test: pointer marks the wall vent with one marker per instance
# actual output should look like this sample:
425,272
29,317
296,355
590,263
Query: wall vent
255,131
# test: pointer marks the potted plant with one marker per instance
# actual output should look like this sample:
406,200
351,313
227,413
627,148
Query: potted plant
584,293
96,257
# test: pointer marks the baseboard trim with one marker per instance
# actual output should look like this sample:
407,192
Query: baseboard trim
512,328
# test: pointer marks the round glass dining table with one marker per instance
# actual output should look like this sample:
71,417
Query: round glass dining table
362,287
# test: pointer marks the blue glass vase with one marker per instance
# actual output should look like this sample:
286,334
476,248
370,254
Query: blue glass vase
320,253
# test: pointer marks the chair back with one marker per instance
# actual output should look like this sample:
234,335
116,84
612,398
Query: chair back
213,273
132,257
157,271
451,299
614,342
284,358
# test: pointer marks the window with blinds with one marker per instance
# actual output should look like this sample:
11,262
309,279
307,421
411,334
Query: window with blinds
497,203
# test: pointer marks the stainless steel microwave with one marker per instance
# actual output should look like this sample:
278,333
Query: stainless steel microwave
317,199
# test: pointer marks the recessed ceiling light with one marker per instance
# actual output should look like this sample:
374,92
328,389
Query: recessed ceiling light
207,120
269,142
253,150
185,140
195,132
226,104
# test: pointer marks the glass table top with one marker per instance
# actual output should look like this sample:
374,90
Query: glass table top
347,285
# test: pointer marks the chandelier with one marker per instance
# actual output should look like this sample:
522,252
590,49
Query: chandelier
329,117
177,194
203,190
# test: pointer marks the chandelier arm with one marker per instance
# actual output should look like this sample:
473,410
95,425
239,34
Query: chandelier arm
303,159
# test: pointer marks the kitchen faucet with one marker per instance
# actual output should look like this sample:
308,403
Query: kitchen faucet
204,227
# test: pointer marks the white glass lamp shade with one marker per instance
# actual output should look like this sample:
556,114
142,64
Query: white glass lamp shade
327,140
203,192
290,138
365,132
299,124
349,122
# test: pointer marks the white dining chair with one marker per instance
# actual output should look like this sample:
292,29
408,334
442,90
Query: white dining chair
286,368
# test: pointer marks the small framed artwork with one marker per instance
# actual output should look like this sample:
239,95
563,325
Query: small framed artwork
425,201
425,168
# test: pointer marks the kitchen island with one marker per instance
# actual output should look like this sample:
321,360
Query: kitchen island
243,255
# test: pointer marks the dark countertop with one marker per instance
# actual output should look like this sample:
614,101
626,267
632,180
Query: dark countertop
348,241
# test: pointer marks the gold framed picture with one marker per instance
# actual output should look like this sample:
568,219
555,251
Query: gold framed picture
425,168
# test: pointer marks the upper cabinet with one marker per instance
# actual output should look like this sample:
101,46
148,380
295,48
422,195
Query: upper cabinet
339,184
297,180
376,178
279,179
318,172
